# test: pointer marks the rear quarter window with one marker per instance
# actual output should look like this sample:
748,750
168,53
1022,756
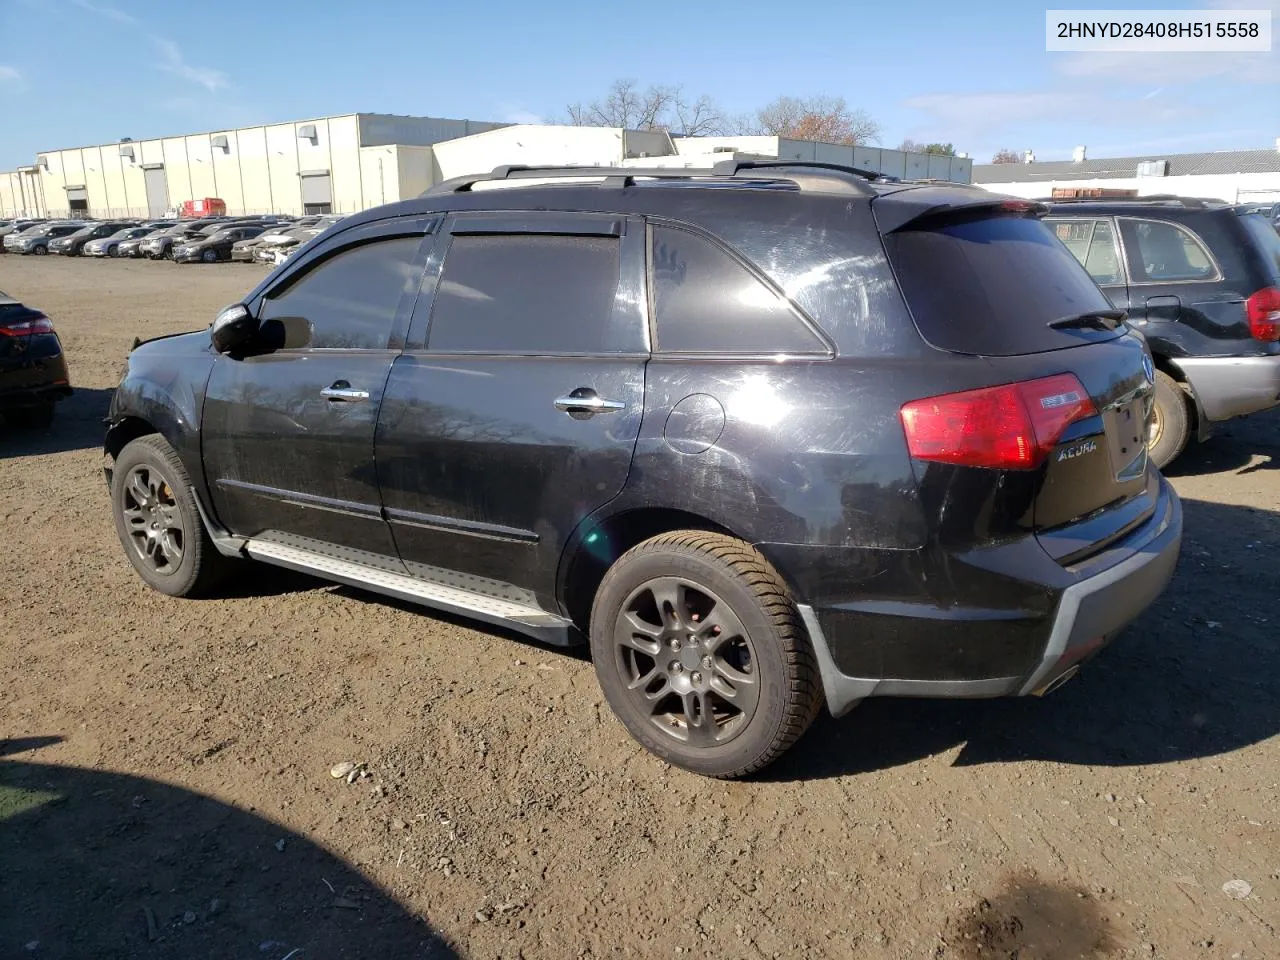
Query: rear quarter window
1266,240
991,285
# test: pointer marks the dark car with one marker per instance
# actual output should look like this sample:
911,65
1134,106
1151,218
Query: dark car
1201,280
760,436
72,245
216,246
33,371
37,238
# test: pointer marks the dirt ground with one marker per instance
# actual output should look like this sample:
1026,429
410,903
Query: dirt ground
165,788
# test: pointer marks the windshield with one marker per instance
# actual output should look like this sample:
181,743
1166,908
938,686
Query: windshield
1268,240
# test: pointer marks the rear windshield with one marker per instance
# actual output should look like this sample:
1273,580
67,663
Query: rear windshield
1267,239
991,285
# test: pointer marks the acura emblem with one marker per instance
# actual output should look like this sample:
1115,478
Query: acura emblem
1148,368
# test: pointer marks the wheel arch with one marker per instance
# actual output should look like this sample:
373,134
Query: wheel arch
1201,428
600,540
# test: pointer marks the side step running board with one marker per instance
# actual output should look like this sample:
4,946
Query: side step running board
529,620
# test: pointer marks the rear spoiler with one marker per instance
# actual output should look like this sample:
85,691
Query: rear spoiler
895,210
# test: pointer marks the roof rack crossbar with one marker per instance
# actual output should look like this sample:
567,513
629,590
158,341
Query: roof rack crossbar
824,176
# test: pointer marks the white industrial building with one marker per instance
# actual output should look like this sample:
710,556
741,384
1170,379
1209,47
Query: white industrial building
1236,176
349,163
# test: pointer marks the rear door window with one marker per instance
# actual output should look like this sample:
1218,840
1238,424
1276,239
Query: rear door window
510,293
990,286
1163,252
707,302
1093,243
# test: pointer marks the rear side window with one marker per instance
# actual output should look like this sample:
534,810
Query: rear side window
705,301
1162,252
525,293
1093,243
350,300
1267,240
991,285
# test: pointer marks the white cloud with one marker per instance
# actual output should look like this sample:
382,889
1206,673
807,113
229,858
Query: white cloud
111,13
171,58
173,62
9,74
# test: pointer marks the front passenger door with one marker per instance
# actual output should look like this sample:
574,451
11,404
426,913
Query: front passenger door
288,429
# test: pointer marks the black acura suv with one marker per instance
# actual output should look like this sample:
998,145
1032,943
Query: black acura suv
762,436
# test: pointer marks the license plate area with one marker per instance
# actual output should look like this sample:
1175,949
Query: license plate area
1126,426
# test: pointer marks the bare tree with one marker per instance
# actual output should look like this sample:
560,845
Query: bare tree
699,118
910,146
626,105
1005,155
822,118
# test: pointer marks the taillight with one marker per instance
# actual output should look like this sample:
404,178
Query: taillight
1263,309
22,328
1011,427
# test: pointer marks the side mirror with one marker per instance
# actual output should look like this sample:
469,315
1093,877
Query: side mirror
233,328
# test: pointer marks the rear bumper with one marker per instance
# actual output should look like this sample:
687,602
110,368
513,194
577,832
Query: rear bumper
33,396
1093,604
1228,387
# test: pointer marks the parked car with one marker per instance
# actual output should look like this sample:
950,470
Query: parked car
8,227
33,371
36,238
589,412
133,248
72,245
110,246
159,245
281,232
216,246
1201,280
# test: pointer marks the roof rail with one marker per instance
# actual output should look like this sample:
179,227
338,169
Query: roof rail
853,179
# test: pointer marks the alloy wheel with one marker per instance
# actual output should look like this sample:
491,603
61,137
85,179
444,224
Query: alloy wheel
153,519
686,661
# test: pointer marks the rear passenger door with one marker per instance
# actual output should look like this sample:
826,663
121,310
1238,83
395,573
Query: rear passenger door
1171,270
514,410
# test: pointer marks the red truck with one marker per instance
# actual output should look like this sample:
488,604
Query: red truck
208,207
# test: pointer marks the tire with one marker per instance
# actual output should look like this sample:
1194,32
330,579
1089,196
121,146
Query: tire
113,250
39,417
751,644
149,486
1170,422
41,251
209,256
167,254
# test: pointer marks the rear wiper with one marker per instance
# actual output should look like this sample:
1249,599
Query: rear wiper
1103,319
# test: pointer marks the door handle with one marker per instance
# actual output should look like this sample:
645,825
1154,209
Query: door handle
343,392
585,400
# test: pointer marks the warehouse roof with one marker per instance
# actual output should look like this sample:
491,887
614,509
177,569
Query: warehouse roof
1180,165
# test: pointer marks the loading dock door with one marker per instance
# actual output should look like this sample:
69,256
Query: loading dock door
157,191
317,193
77,200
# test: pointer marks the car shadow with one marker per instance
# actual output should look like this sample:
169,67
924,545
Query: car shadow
77,425
1240,446
1197,675
101,864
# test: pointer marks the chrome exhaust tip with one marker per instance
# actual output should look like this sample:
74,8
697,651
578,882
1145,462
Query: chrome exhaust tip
1058,681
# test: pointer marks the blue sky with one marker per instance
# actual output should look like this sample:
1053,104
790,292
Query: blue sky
77,72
